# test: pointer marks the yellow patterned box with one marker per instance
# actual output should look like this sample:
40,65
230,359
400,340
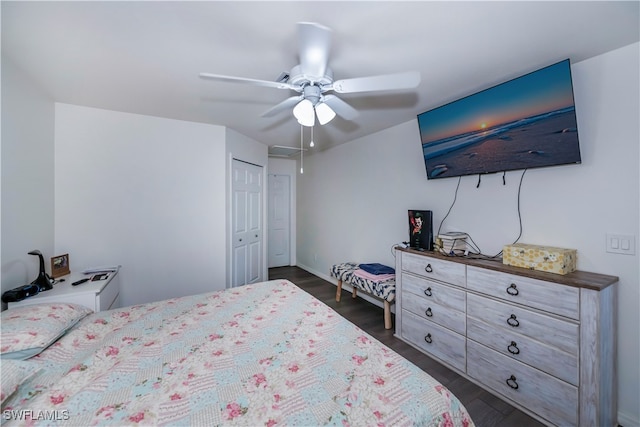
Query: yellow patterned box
542,258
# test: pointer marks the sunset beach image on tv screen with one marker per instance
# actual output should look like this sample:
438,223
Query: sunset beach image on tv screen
527,122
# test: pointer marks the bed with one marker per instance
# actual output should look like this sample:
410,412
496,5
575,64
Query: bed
261,354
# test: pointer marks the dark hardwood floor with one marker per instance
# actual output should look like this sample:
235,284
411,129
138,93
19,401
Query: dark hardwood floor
485,409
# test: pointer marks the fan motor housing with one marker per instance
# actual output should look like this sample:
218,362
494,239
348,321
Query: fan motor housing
303,80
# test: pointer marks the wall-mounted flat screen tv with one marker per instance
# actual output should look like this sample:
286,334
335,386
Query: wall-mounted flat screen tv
527,122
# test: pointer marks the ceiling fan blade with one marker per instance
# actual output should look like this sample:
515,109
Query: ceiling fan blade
340,107
406,80
284,105
254,82
315,44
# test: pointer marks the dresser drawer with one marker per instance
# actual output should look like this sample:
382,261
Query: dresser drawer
527,350
553,331
543,394
440,314
552,297
435,291
440,342
433,268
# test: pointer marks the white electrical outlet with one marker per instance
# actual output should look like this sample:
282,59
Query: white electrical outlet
621,244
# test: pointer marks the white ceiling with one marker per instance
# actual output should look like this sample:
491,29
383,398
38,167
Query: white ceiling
145,57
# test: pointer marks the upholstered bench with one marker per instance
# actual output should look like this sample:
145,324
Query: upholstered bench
385,290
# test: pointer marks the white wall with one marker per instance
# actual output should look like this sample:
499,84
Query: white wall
288,167
27,176
353,199
144,192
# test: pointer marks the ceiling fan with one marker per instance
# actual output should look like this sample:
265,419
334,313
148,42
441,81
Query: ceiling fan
313,78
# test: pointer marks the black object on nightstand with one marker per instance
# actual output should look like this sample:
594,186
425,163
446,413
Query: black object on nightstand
81,281
42,281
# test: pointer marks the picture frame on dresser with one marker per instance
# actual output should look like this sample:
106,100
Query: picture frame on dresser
60,266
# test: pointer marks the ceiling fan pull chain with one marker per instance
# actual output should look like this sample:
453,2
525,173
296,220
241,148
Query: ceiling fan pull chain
301,151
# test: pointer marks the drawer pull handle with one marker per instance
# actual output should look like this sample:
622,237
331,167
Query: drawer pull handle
513,348
428,268
428,292
512,321
513,290
429,313
511,382
428,339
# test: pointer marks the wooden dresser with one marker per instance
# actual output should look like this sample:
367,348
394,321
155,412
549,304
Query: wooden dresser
544,342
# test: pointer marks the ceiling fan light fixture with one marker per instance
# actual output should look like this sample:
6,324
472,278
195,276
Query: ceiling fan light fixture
325,113
312,77
304,113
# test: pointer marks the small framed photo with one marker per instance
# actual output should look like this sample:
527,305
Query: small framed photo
60,266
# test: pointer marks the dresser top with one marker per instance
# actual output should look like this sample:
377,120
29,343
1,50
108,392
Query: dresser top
580,279
64,288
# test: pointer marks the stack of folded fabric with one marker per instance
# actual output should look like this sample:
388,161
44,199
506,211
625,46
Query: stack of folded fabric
377,279
375,272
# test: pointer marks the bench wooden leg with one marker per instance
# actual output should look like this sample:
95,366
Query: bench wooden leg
339,291
354,291
387,315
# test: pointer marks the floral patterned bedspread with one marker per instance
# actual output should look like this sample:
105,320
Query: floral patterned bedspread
262,354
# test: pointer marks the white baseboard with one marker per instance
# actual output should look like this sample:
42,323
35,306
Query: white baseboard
626,421
317,273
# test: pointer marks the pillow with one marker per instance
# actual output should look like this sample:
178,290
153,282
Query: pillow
14,373
28,330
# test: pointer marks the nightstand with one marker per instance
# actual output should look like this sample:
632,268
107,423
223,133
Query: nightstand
97,295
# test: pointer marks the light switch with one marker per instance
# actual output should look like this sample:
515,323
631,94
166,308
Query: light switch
621,244
615,243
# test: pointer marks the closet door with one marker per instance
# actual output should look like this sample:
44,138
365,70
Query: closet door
247,187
